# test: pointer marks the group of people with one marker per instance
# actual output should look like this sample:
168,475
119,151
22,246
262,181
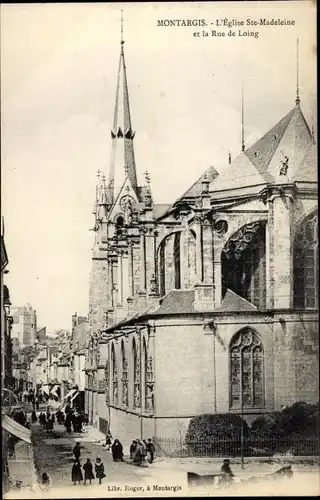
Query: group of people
76,473
47,420
142,449
77,476
74,420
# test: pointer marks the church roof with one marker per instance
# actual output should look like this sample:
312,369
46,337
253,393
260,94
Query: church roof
240,173
291,136
182,302
195,190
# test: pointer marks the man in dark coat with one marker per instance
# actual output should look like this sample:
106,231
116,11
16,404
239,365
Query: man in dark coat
88,471
227,472
77,451
150,450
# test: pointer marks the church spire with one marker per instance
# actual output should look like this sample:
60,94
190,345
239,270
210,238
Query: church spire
297,87
122,154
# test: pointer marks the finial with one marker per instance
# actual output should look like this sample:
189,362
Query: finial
121,40
147,176
229,157
242,122
298,90
98,173
104,179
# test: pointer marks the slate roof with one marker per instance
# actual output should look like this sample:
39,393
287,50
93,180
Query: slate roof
240,173
291,136
182,302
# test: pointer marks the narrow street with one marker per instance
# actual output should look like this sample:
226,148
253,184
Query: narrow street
53,454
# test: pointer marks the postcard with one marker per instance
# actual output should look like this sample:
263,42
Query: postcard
159,249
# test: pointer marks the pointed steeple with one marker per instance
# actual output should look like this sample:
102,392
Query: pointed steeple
122,154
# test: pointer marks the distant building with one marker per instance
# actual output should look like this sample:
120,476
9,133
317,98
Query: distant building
24,324
6,320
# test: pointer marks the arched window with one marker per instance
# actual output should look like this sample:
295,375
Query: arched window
244,263
136,374
119,224
162,268
148,379
306,263
114,376
246,370
176,261
124,375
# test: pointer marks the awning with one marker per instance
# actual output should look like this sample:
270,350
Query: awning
16,429
54,390
70,393
45,389
74,396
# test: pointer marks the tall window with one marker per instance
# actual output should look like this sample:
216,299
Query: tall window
114,376
244,263
176,260
246,370
148,379
124,375
162,270
136,374
306,263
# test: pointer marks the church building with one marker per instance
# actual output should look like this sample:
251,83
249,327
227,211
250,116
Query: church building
210,304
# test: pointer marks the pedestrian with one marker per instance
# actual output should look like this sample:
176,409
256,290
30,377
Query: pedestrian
133,448
37,403
108,440
86,419
68,423
117,451
138,454
227,472
76,473
150,451
34,417
77,451
88,471
144,447
46,481
99,469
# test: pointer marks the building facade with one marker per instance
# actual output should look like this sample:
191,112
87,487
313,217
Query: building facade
24,326
210,304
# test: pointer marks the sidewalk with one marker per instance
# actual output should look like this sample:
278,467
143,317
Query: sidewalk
21,468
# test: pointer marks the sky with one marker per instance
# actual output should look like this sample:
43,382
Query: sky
58,80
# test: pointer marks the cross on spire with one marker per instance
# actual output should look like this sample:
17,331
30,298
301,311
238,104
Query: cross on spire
242,122
121,28
298,89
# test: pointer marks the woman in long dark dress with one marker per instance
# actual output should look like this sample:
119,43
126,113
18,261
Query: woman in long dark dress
33,417
117,451
76,473
99,469
88,471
